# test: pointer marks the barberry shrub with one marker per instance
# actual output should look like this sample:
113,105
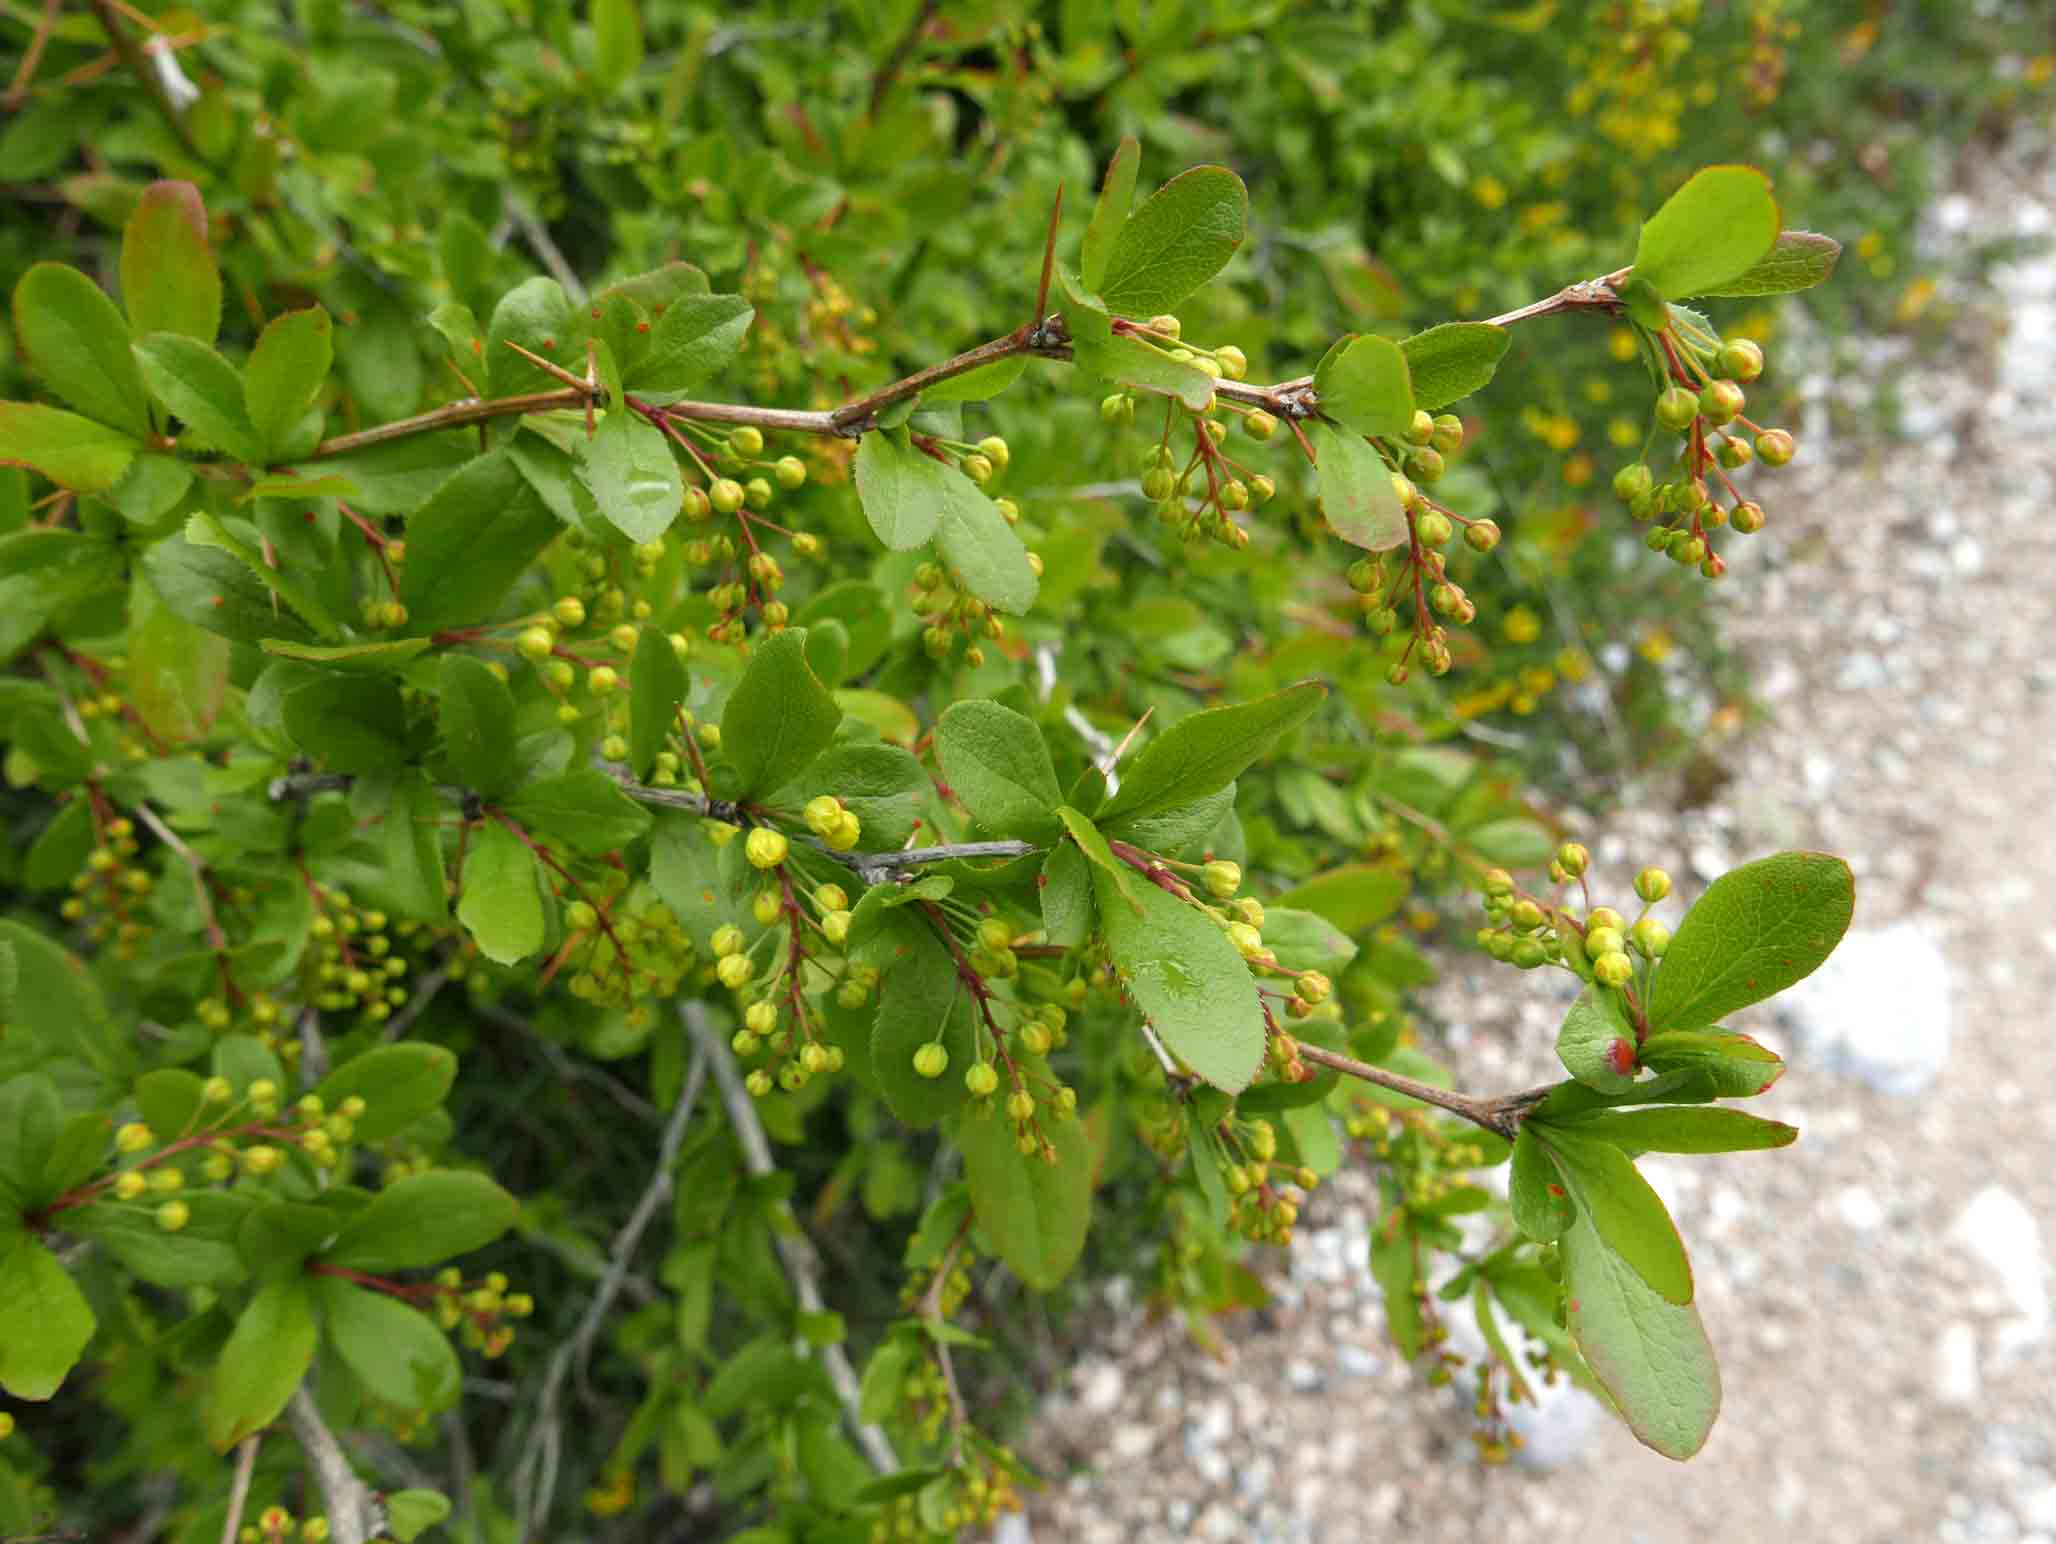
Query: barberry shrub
600,704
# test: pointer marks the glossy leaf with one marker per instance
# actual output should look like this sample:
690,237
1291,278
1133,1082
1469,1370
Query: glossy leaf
476,714
203,390
1127,360
349,723
1596,1043
1208,750
58,1005
396,1351
201,1254
1797,260
997,765
657,686
1364,385
178,673
78,345
922,999
882,785
398,1083
45,1321
1674,1130
412,851
467,545
1628,1215
422,1221
1094,848
263,1362
690,346
1651,1356
1736,1065
1181,236
1756,930
538,316
286,372
73,452
1034,1214
1354,897
1446,364
778,718
169,281
501,906
1357,492
1184,976
633,476
1542,1207
585,810
1066,889
1110,213
1713,230
1305,940
974,539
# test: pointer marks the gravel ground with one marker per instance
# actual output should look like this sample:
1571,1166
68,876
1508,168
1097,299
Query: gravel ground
1879,1293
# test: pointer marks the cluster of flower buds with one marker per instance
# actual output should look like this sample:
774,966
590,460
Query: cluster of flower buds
1602,945
1702,402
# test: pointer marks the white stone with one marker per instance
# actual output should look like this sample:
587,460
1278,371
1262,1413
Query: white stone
1878,1010
1859,1208
1956,1379
1100,1386
2002,1232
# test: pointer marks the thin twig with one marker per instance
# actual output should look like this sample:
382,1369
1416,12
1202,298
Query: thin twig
535,1476
239,1488
152,82
795,1251
1500,1115
538,238
355,1515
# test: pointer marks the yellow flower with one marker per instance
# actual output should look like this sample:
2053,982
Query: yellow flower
1521,625
1621,343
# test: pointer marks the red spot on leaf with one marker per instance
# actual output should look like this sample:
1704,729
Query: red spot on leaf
1555,1190
642,326
219,600
1621,1057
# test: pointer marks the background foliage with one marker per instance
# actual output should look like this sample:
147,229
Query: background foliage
875,181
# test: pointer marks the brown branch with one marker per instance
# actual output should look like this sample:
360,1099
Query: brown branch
1500,1115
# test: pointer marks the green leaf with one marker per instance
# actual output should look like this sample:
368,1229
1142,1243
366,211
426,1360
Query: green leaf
1395,1266
1628,1215
1755,931
1127,360
997,765
778,718
882,785
286,372
1034,1214
1306,940
1187,980
1736,1065
1713,230
203,390
397,1352
45,1321
71,451
1596,1043
350,723
922,999
1797,260
1182,236
692,345
414,880
902,491
585,810
1116,198
501,906
262,1364
1357,492
1512,843
424,1220
617,43
1447,363
398,1084
78,344
169,1101
467,545
1652,1357
30,1116
151,488
411,1513
178,673
1208,750
975,540
1066,886
1541,1206
389,656
169,281
657,685
201,1254
633,477
278,1237
477,718
979,385
1676,1130
539,316
44,571
1364,385
58,1005
1094,848
243,544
